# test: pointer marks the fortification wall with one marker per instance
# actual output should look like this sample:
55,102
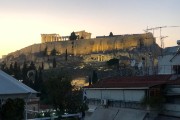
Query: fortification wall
82,47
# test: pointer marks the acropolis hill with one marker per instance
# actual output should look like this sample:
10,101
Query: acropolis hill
101,48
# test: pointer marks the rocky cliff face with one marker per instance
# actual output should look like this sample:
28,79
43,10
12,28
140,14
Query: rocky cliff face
88,53
82,47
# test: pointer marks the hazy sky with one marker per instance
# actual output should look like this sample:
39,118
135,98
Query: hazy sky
22,21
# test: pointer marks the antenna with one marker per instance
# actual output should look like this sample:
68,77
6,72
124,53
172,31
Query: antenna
160,32
162,40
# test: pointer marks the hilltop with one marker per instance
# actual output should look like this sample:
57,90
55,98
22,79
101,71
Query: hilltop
85,53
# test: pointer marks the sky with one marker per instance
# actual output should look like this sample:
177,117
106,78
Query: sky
22,21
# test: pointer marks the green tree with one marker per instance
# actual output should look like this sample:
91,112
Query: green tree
53,52
13,109
74,101
110,34
66,55
17,71
94,77
32,66
40,80
24,73
45,51
58,88
112,62
11,69
73,36
154,102
90,81
54,62
3,66
42,66
36,81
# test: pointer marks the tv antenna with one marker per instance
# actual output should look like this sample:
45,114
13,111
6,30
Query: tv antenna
160,32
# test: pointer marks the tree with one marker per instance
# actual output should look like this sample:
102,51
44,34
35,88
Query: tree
45,51
16,71
11,69
110,34
74,101
73,36
42,67
31,74
113,62
3,66
15,66
24,73
40,79
53,52
13,109
66,55
94,77
36,81
32,66
54,62
154,102
58,89
90,81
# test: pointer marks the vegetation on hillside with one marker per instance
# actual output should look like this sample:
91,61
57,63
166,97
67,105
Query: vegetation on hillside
56,90
110,34
13,109
73,36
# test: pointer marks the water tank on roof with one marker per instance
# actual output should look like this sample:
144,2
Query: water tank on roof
178,42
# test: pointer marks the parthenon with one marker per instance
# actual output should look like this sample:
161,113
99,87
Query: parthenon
56,37
49,37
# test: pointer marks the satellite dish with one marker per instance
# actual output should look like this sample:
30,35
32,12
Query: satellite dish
140,65
133,62
30,73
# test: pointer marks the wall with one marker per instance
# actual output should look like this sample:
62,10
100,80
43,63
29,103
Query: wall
121,95
172,110
165,66
89,46
83,34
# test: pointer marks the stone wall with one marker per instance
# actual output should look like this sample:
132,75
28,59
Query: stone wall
89,46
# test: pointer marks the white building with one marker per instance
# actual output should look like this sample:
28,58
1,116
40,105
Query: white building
169,62
12,88
123,89
127,93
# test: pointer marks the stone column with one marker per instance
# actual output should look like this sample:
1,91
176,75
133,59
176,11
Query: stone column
51,38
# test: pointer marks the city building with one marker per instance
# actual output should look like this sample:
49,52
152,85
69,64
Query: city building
169,61
122,93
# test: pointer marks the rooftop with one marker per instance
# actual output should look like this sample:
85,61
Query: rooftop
134,82
10,85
